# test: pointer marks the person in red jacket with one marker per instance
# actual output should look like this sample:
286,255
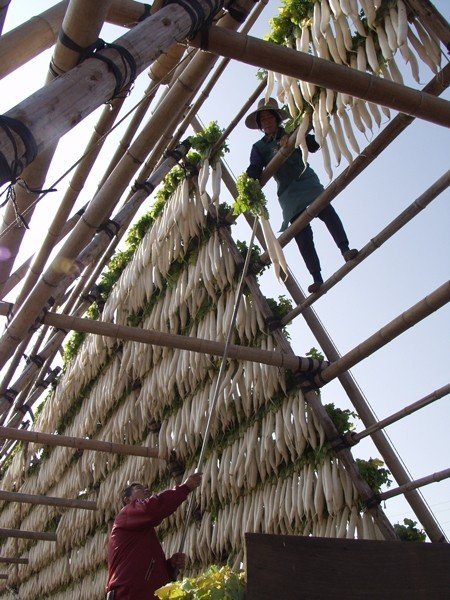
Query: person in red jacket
137,565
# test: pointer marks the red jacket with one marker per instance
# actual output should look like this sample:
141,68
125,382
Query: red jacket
136,562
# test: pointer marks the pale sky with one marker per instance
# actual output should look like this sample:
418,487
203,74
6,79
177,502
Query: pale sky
407,268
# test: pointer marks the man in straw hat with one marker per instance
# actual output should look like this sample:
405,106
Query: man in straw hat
297,186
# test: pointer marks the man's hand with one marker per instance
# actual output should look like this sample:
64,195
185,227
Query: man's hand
178,560
193,481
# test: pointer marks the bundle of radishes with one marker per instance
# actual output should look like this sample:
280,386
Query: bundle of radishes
364,36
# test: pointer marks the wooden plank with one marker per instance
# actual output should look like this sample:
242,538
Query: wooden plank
292,567
13,561
28,535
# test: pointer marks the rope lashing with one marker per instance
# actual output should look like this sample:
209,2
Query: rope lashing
110,227
146,13
124,80
10,172
196,12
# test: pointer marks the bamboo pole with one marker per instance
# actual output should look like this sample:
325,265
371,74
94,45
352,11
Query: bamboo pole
354,438
43,500
48,439
400,324
3,10
13,560
26,41
103,203
12,230
21,271
27,535
161,68
327,74
412,485
169,340
376,242
40,32
92,83
432,19
347,380
76,184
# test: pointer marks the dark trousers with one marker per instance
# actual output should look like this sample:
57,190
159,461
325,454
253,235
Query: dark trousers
305,240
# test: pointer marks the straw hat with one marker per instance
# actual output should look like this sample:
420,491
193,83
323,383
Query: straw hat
271,104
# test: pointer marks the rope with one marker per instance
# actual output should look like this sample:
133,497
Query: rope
219,379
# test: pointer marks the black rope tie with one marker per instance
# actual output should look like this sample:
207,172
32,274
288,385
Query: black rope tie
11,172
111,228
24,409
124,80
144,185
196,13
146,13
10,395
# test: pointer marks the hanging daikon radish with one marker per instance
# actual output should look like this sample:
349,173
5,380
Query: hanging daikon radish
402,23
341,139
280,90
342,50
203,176
375,111
332,45
365,115
316,21
349,133
430,44
346,34
371,54
298,98
390,32
274,249
324,16
394,71
269,87
421,51
357,118
316,125
334,144
335,8
369,11
300,139
323,117
216,180
329,104
383,42
361,59
326,158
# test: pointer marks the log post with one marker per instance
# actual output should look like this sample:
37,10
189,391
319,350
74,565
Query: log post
49,439
28,535
327,74
47,500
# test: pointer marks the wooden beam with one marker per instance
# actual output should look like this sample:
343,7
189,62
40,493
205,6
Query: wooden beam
327,74
13,561
432,19
47,500
393,329
170,340
46,536
413,485
49,439
354,438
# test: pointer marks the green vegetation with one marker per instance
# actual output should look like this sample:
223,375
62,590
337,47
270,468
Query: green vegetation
409,532
251,198
217,583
